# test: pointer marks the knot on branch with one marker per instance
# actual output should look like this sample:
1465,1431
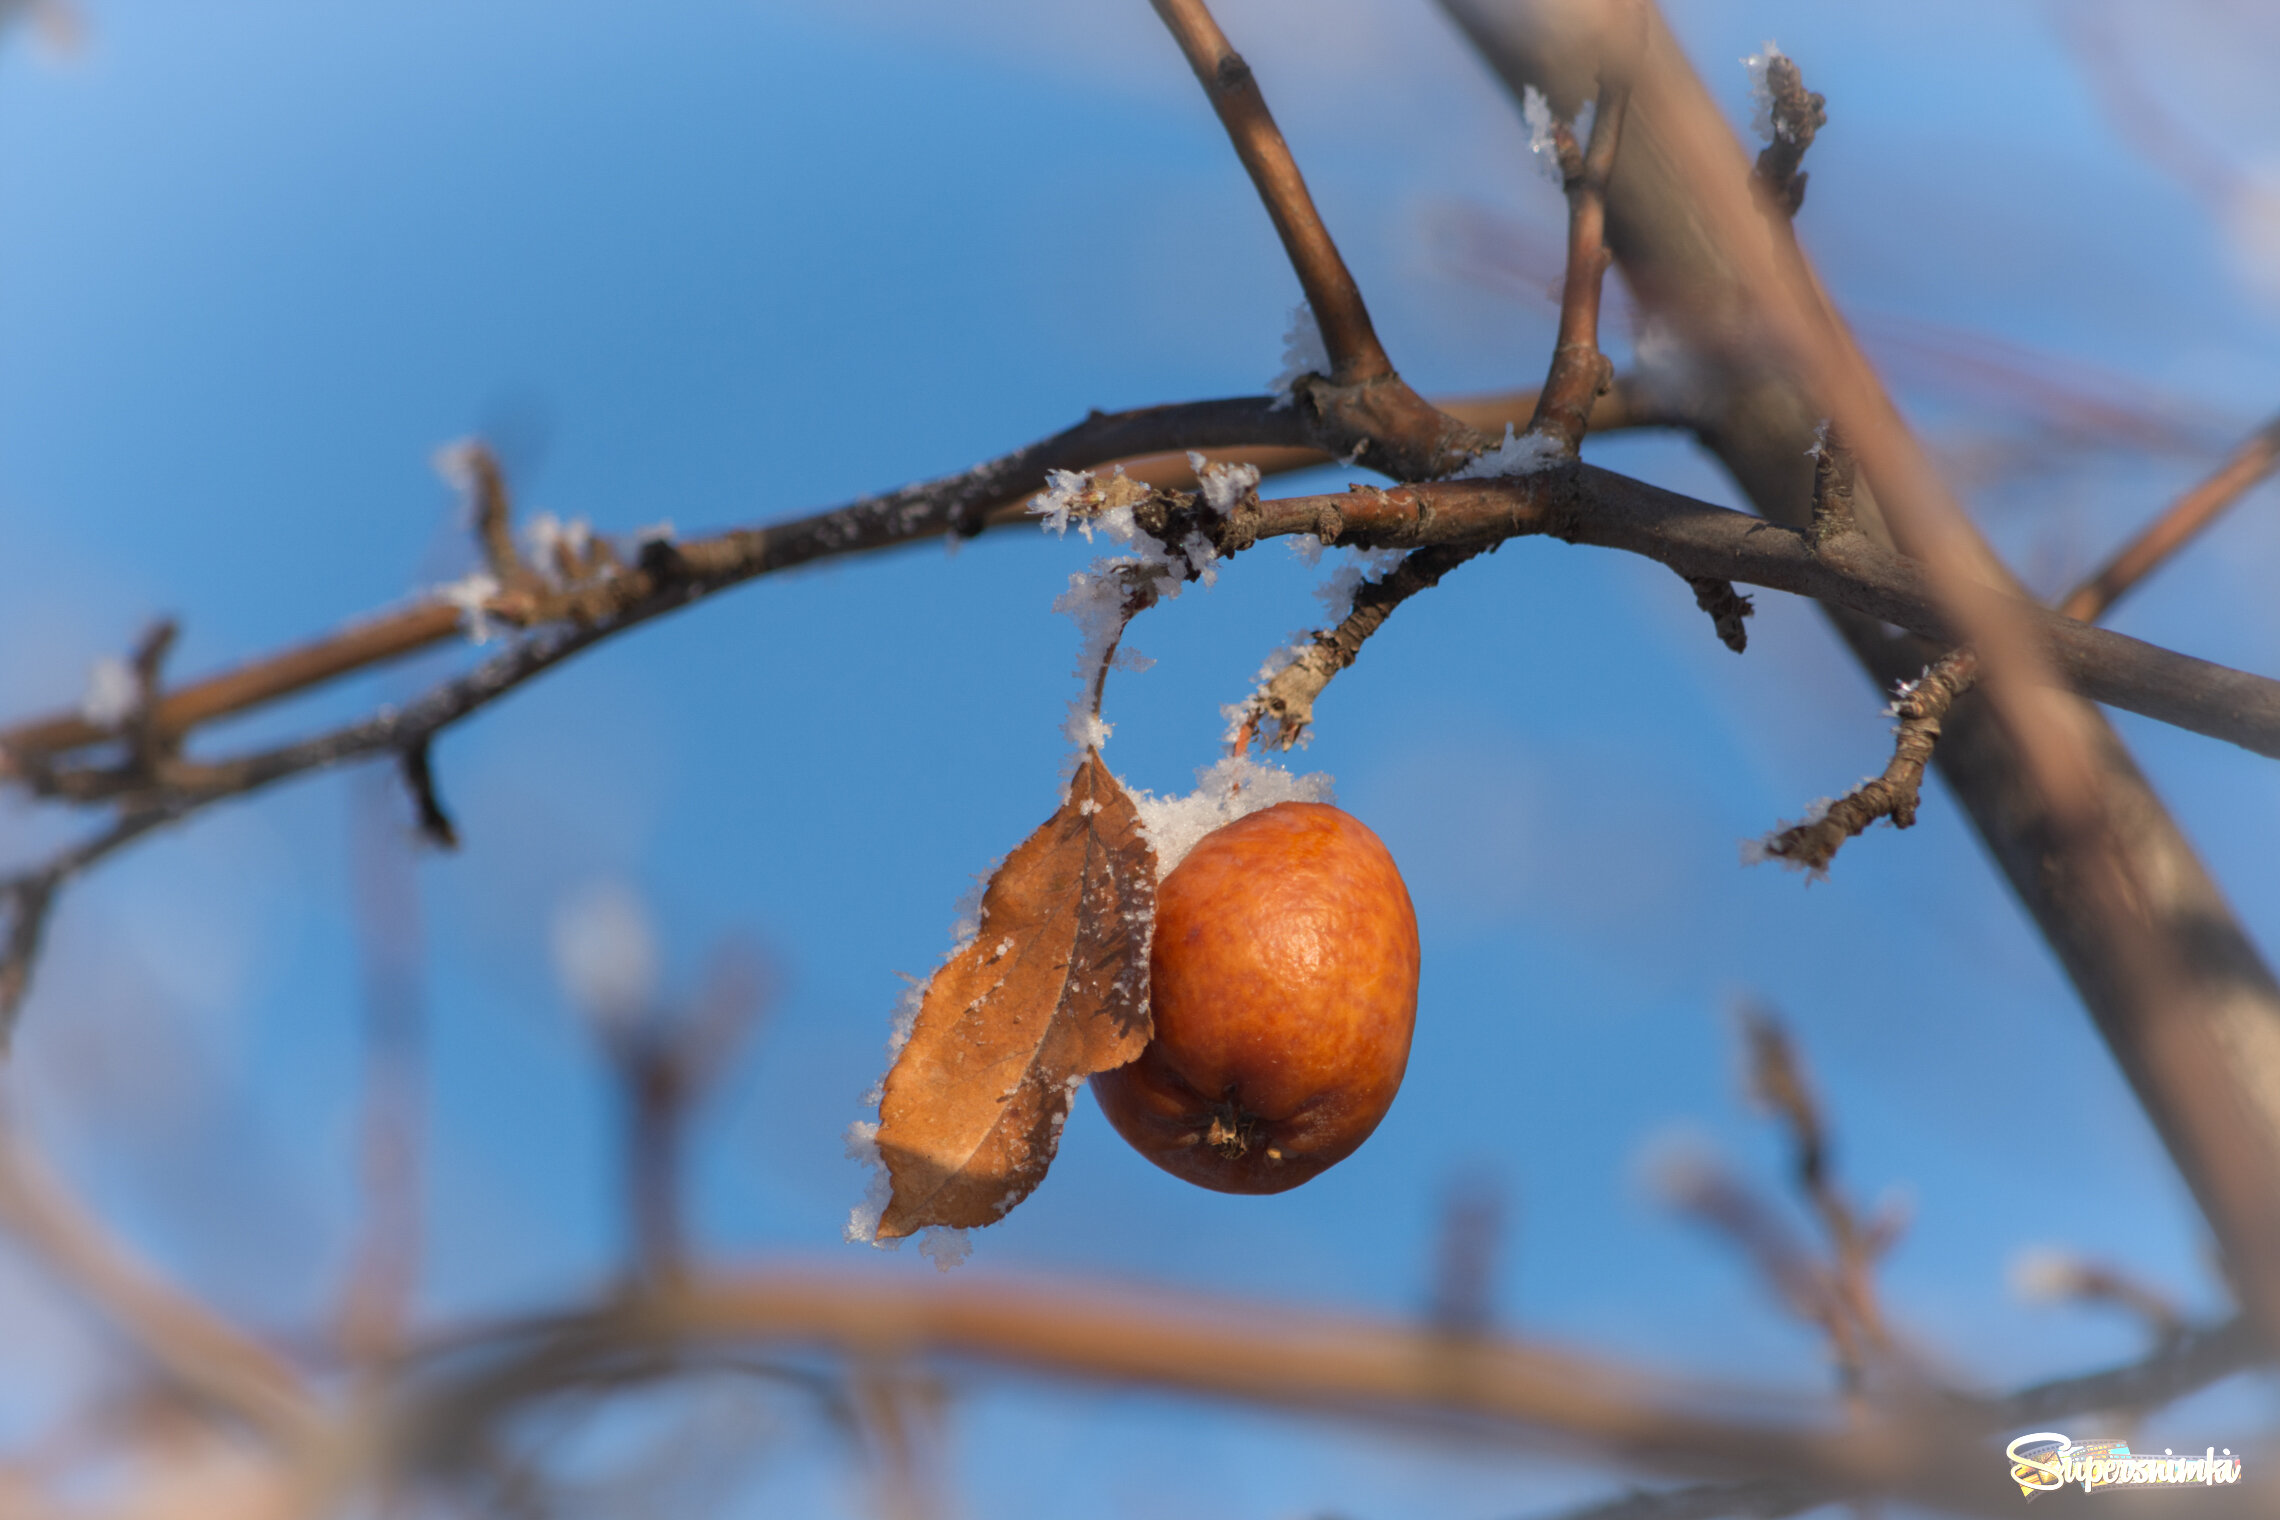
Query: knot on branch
1726,606
1384,424
1794,115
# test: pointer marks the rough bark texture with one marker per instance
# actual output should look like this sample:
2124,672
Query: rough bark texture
2227,1012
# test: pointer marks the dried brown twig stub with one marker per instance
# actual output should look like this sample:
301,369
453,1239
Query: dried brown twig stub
1797,115
1920,706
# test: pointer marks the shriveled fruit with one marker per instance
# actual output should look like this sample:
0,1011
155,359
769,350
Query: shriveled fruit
1283,981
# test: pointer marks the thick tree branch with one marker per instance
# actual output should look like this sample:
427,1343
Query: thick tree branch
1580,504
2180,992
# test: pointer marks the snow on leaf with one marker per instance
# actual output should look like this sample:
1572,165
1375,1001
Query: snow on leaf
1053,990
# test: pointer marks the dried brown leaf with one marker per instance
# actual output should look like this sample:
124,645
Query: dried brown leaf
1053,988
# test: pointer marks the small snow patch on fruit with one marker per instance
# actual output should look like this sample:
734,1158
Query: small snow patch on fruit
1235,787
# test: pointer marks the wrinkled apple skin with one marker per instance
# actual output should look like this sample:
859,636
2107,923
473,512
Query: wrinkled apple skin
1283,982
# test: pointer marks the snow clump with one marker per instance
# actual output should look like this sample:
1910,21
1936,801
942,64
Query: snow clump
1761,92
1235,787
112,691
1519,454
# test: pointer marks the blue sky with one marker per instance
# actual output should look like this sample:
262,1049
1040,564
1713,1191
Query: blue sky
720,262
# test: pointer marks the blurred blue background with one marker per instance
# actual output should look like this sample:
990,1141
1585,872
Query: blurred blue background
716,263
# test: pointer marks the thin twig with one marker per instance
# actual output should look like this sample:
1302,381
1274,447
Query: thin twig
1579,372
2184,519
1355,353
2060,1275
1777,1080
1750,1499
385,1267
30,898
1921,706
436,827
964,503
1281,709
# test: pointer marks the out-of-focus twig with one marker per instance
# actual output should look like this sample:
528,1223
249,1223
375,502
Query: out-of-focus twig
29,898
385,1268
198,1350
1777,1081
666,1061
1750,1499
1465,1262
2185,517
2059,1275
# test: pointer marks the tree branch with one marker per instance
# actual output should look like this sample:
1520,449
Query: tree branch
2249,465
1355,353
199,1351
1920,706
2178,989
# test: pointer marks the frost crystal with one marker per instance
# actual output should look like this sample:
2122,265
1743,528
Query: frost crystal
1304,353
1543,136
1224,485
1064,492
2041,1274
112,692
472,596
653,533
1337,593
1519,454
1536,111
1099,598
1233,788
455,462
863,1219
1820,439
548,540
1761,93
605,952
